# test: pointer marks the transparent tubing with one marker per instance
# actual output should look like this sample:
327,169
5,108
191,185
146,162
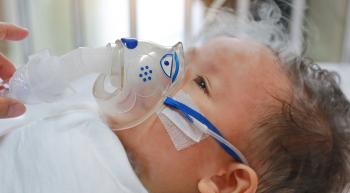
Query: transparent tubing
46,78
83,61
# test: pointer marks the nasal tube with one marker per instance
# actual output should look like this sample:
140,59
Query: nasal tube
46,78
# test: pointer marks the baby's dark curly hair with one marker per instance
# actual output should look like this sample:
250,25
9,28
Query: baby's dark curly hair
306,139
303,141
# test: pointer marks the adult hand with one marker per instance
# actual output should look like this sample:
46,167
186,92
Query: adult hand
10,107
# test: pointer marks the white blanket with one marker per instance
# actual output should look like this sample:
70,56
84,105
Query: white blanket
63,148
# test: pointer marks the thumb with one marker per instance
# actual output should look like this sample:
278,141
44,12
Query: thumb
10,108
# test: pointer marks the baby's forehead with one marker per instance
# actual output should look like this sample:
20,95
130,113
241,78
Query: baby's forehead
223,53
230,46
244,66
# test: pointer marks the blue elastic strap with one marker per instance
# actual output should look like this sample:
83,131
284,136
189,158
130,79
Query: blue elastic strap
189,112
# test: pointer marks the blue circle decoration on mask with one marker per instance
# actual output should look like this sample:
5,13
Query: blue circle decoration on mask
145,75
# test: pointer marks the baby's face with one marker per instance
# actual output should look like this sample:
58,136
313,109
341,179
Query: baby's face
230,80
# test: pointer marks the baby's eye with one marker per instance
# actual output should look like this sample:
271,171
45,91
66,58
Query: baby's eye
200,81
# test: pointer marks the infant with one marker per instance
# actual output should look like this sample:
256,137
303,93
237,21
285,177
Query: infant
291,125
287,119
287,116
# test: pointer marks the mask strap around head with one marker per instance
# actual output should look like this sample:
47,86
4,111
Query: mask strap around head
190,113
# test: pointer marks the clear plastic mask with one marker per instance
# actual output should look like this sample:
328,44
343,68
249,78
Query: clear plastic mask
142,75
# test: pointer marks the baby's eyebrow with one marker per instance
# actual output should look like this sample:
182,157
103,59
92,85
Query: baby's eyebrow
191,52
212,66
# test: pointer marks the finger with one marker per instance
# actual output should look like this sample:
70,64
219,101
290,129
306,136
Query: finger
10,108
12,32
6,67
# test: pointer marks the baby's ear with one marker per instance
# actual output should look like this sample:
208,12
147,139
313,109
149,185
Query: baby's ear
236,178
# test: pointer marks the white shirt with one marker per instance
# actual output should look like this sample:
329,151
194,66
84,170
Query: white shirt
63,147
